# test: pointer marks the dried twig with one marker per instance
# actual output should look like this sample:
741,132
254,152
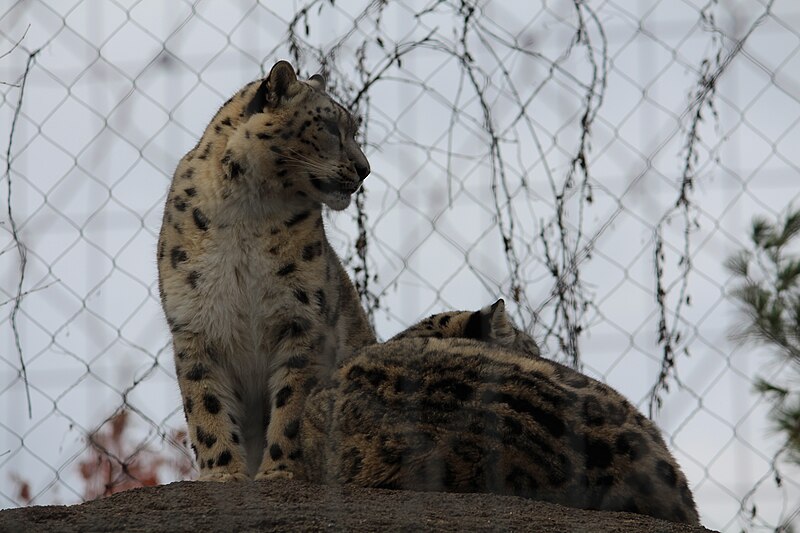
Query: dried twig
26,293
14,47
669,335
21,249
571,303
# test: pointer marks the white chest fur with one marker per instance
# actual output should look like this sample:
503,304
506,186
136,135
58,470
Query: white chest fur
237,295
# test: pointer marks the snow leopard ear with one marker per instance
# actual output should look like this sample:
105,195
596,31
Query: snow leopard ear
318,82
279,80
500,326
274,89
491,324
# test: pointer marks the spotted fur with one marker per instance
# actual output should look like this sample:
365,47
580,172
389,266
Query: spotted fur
259,306
470,415
490,324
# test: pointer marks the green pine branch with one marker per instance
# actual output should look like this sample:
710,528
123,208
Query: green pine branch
767,291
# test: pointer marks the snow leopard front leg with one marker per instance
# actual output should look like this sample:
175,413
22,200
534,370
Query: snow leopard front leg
283,451
208,406
289,386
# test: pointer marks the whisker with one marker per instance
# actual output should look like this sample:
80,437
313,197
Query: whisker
297,160
314,164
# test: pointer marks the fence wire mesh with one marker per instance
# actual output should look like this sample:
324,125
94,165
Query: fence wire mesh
591,162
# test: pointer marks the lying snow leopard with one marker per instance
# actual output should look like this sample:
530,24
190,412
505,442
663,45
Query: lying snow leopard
258,303
472,415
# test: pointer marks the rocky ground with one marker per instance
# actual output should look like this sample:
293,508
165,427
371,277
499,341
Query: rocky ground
296,506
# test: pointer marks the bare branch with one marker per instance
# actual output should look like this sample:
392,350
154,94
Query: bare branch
21,249
7,52
669,335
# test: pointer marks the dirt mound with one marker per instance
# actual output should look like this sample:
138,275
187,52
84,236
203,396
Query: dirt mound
296,506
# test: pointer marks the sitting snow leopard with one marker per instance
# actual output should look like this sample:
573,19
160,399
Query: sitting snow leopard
471,415
258,303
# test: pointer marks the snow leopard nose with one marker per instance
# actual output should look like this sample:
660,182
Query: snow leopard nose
362,170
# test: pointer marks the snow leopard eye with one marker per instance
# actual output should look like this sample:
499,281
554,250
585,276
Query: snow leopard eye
332,127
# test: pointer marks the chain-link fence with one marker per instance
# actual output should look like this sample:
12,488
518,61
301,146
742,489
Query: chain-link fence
591,162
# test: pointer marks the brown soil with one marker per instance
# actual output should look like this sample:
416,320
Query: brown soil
296,506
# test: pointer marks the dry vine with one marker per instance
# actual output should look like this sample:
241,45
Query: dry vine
567,249
570,300
20,246
710,71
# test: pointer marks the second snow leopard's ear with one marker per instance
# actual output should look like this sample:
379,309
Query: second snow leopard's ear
490,324
317,81
501,327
